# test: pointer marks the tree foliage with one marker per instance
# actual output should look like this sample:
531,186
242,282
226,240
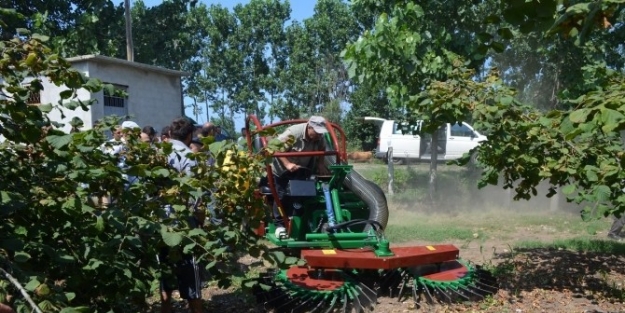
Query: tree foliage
577,150
67,247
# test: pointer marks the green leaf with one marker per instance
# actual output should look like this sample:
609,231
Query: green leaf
162,172
40,37
93,85
196,232
66,94
70,296
506,100
492,19
568,189
291,260
188,248
65,258
78,309
579,116
171,239
602,192
210,265
505,33
32,284
99,223
278,256
21,257
59,141
45,108
5,197
499,47
611,119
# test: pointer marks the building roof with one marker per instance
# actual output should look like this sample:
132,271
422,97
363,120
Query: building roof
104,59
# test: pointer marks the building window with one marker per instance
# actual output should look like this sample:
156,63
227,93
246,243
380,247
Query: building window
34,97
119,97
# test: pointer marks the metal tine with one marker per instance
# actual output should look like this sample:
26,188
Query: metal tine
441,291
476,296
369,295
364,300
492,289
345,301
319,306
306,302
460,295
414,293
335,299
483,292
284,294
401,290
485,275
389,279
356,305
429,296
292,301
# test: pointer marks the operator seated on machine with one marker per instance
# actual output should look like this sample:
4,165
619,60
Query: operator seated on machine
307,137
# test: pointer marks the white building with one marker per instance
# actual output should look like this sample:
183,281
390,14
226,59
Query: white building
153,94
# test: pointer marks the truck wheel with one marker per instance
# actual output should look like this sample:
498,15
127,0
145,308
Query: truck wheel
397,161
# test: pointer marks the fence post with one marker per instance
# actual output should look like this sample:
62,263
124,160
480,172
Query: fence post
391,171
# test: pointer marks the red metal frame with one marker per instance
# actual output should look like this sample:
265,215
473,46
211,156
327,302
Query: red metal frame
306,278
340,150
366,259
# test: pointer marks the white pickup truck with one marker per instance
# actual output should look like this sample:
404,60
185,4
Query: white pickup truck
454,140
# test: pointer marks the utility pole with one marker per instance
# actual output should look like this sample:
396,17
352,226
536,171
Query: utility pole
130,54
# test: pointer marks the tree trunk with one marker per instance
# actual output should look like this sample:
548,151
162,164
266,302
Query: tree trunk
433,165
196,111
208,117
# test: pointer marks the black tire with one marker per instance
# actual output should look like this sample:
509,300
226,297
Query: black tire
397,161
474,161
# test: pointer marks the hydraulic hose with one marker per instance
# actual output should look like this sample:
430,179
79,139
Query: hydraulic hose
329,208
371,194
367,191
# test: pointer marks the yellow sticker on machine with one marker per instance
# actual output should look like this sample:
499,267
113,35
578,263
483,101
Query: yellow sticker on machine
328,251
430,248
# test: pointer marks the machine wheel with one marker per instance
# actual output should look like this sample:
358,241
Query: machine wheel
447,282
302,289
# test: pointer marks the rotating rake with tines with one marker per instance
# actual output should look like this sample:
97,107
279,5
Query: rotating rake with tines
336,223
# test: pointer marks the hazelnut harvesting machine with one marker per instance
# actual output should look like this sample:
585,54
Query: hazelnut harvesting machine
337,230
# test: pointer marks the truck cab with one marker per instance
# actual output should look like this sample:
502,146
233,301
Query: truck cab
409,143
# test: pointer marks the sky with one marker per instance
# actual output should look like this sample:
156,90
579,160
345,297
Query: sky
300,10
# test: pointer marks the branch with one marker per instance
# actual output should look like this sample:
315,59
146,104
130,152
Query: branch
22,290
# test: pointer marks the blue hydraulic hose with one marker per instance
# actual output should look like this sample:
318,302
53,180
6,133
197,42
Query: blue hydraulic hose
329,208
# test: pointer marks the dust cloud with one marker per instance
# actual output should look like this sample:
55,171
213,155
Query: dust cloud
457,192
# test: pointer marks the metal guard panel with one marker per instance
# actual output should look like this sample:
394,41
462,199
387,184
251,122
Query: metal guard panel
366,259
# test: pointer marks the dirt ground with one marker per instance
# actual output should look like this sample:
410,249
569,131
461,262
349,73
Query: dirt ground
530,280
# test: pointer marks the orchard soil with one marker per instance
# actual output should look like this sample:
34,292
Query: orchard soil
530,280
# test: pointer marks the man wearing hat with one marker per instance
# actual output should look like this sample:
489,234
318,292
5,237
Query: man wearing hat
305,137
116,144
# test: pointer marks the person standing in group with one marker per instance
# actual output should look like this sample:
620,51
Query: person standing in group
187,269
165,134
242,141
219,135
307,137
148,134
